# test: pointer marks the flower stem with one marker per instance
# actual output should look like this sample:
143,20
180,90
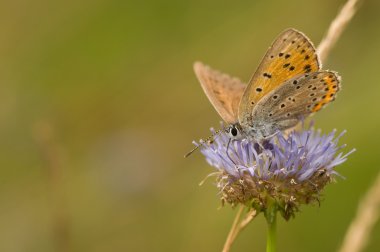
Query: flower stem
271,215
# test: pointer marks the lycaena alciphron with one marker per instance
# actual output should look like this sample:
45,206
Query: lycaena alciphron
287,86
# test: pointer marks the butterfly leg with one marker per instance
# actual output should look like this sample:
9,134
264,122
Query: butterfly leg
265,143
270,136
228,155
261,146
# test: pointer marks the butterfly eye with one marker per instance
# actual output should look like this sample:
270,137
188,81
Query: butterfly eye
233,131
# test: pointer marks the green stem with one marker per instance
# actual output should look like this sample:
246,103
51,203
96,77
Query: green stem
271,215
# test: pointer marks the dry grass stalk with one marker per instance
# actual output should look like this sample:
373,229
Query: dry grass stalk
367,215
336,28
52,161
237,227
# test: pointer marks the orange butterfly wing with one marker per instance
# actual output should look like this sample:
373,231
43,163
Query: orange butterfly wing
290,55
223,91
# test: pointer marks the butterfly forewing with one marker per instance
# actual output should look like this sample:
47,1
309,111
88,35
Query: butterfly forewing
297,98
291,54
223,91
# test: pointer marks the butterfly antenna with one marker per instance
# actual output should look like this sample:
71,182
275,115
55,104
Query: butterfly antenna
208,140
191,152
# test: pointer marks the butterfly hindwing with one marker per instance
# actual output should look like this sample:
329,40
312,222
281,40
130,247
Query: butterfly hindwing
223,91
290,55
286,105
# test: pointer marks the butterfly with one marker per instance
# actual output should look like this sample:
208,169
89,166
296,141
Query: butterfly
288,86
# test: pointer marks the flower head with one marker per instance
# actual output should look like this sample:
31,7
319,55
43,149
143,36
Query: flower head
288,169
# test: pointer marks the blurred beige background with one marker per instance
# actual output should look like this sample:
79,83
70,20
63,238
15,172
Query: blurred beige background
99,103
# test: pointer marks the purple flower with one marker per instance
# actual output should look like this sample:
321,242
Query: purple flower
290,169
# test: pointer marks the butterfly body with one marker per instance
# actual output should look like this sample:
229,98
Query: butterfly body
259,130
287,86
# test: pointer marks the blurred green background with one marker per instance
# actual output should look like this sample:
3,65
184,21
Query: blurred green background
99,103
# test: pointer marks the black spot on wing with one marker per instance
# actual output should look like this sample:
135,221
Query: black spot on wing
267,75
307,68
